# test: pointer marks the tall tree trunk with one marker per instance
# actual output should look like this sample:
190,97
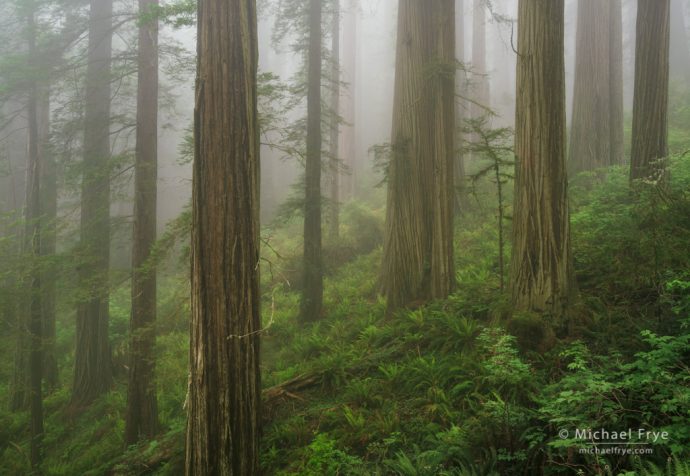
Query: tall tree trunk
616,128
650,103
48,237
480,80
597,121
347,146
334,166
224,396
460,106
141,420
312,293
33,249
418,247
590,145
92,366
679,62
542,277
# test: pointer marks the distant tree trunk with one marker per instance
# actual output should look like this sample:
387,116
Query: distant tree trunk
92,366
33,249
592,127
542,277
347,146
312,293
679,63
141,419
460,106
334,166
418,247
48,238
617,155
224,396
480,80
650,103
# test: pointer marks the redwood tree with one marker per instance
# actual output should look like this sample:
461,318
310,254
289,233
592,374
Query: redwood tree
312,292
650,100
542,277
334,126
224,396
142,410
92,365
347,102
418,247
596,137
33,250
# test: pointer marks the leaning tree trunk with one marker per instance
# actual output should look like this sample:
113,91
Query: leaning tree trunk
92,365
418,248
650,103
542,277
312,292
141,420
224,396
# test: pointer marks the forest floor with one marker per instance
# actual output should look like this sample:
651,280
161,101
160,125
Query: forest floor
462,386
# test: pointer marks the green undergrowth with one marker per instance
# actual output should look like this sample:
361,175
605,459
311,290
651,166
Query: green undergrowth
462,386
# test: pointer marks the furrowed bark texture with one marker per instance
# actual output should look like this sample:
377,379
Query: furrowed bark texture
650,100
596,136
418,250
312,293
224,396
92,366
141,420
542,276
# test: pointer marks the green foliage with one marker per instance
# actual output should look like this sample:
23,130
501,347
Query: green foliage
324,457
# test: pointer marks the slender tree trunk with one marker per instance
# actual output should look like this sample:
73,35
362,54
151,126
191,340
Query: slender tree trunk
141,420
33,245
92,366
312,294
418,247
616,120
480,80
347,146
334,160
460,107
224,397
48,238
650,103
542,277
